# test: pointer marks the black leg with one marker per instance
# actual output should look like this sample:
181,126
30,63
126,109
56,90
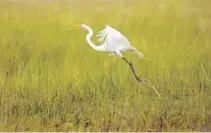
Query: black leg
132,68
139,79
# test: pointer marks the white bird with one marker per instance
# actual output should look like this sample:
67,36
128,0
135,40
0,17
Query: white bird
112,41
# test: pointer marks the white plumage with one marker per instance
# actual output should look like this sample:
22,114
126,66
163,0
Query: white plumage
114,42
111,40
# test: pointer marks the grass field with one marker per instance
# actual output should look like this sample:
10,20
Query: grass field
51,80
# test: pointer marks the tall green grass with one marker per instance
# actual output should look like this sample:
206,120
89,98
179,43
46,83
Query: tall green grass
51,80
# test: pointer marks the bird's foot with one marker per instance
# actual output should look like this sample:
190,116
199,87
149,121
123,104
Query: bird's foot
139,79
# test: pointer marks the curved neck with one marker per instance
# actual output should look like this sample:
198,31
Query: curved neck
88,38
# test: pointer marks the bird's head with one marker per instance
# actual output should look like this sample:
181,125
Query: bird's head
83,26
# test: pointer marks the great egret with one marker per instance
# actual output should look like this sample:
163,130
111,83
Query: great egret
113,42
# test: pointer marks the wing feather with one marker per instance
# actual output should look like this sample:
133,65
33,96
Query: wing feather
112,38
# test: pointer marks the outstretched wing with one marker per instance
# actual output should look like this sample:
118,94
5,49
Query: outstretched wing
112,39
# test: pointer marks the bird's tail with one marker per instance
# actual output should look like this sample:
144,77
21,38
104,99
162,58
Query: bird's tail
138,53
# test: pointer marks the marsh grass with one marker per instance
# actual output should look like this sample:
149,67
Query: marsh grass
51,80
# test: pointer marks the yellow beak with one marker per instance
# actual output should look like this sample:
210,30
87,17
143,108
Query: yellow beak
74,25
